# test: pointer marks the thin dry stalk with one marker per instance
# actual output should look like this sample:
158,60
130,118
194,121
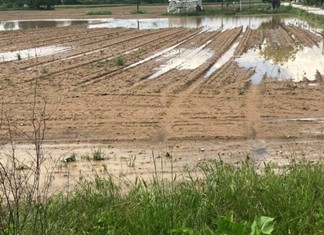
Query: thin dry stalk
23,197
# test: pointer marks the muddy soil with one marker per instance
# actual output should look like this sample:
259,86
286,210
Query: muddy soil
103,92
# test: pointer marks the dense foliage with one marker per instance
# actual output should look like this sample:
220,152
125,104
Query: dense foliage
49,4
33,4
224,199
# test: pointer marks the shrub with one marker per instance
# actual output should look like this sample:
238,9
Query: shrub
99,13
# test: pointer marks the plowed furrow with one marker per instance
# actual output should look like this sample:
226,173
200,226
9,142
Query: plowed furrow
304,37
123,75
87,75
81,40
250,39
77,60
18,41
141,84
175,81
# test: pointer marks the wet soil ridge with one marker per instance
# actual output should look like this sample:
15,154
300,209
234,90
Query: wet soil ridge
102,89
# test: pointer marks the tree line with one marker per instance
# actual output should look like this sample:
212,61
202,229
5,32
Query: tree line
305,2
49,4
32,4
122,1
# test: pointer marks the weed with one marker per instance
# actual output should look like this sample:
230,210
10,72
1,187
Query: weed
71,158
44,70
98,155
227,225
41,77
7,79
18,56
131,160
120,61
22,167
86,157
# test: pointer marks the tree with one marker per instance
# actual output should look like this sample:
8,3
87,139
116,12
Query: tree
42,4
275,4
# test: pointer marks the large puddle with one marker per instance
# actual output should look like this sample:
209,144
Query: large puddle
294,62
222,60
210,22
32,53
182,58
34,24
283,62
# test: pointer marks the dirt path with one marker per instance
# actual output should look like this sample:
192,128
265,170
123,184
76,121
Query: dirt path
252,111
175,106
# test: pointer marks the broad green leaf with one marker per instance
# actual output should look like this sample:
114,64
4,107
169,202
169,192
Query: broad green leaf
189,231
267,224
227,226
255,229
262,225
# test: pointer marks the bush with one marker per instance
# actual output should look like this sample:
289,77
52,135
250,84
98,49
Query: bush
99,13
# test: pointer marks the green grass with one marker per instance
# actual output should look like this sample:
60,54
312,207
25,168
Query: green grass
98,155
317,19
140,11
246,10
294,198
120,61
99,13
89,6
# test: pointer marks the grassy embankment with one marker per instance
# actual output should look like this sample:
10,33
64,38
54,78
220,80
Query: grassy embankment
190,204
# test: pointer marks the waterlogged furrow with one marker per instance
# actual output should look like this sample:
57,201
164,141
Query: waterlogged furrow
95,72
177,80
32,53
151,45
17,39
223,54
87,50
304,37
279,36
140,68
149,85
251,39
95,96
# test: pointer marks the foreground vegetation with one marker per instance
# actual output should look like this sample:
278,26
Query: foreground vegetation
224,199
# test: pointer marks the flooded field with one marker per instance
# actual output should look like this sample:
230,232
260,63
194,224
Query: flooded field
35,24
200,85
